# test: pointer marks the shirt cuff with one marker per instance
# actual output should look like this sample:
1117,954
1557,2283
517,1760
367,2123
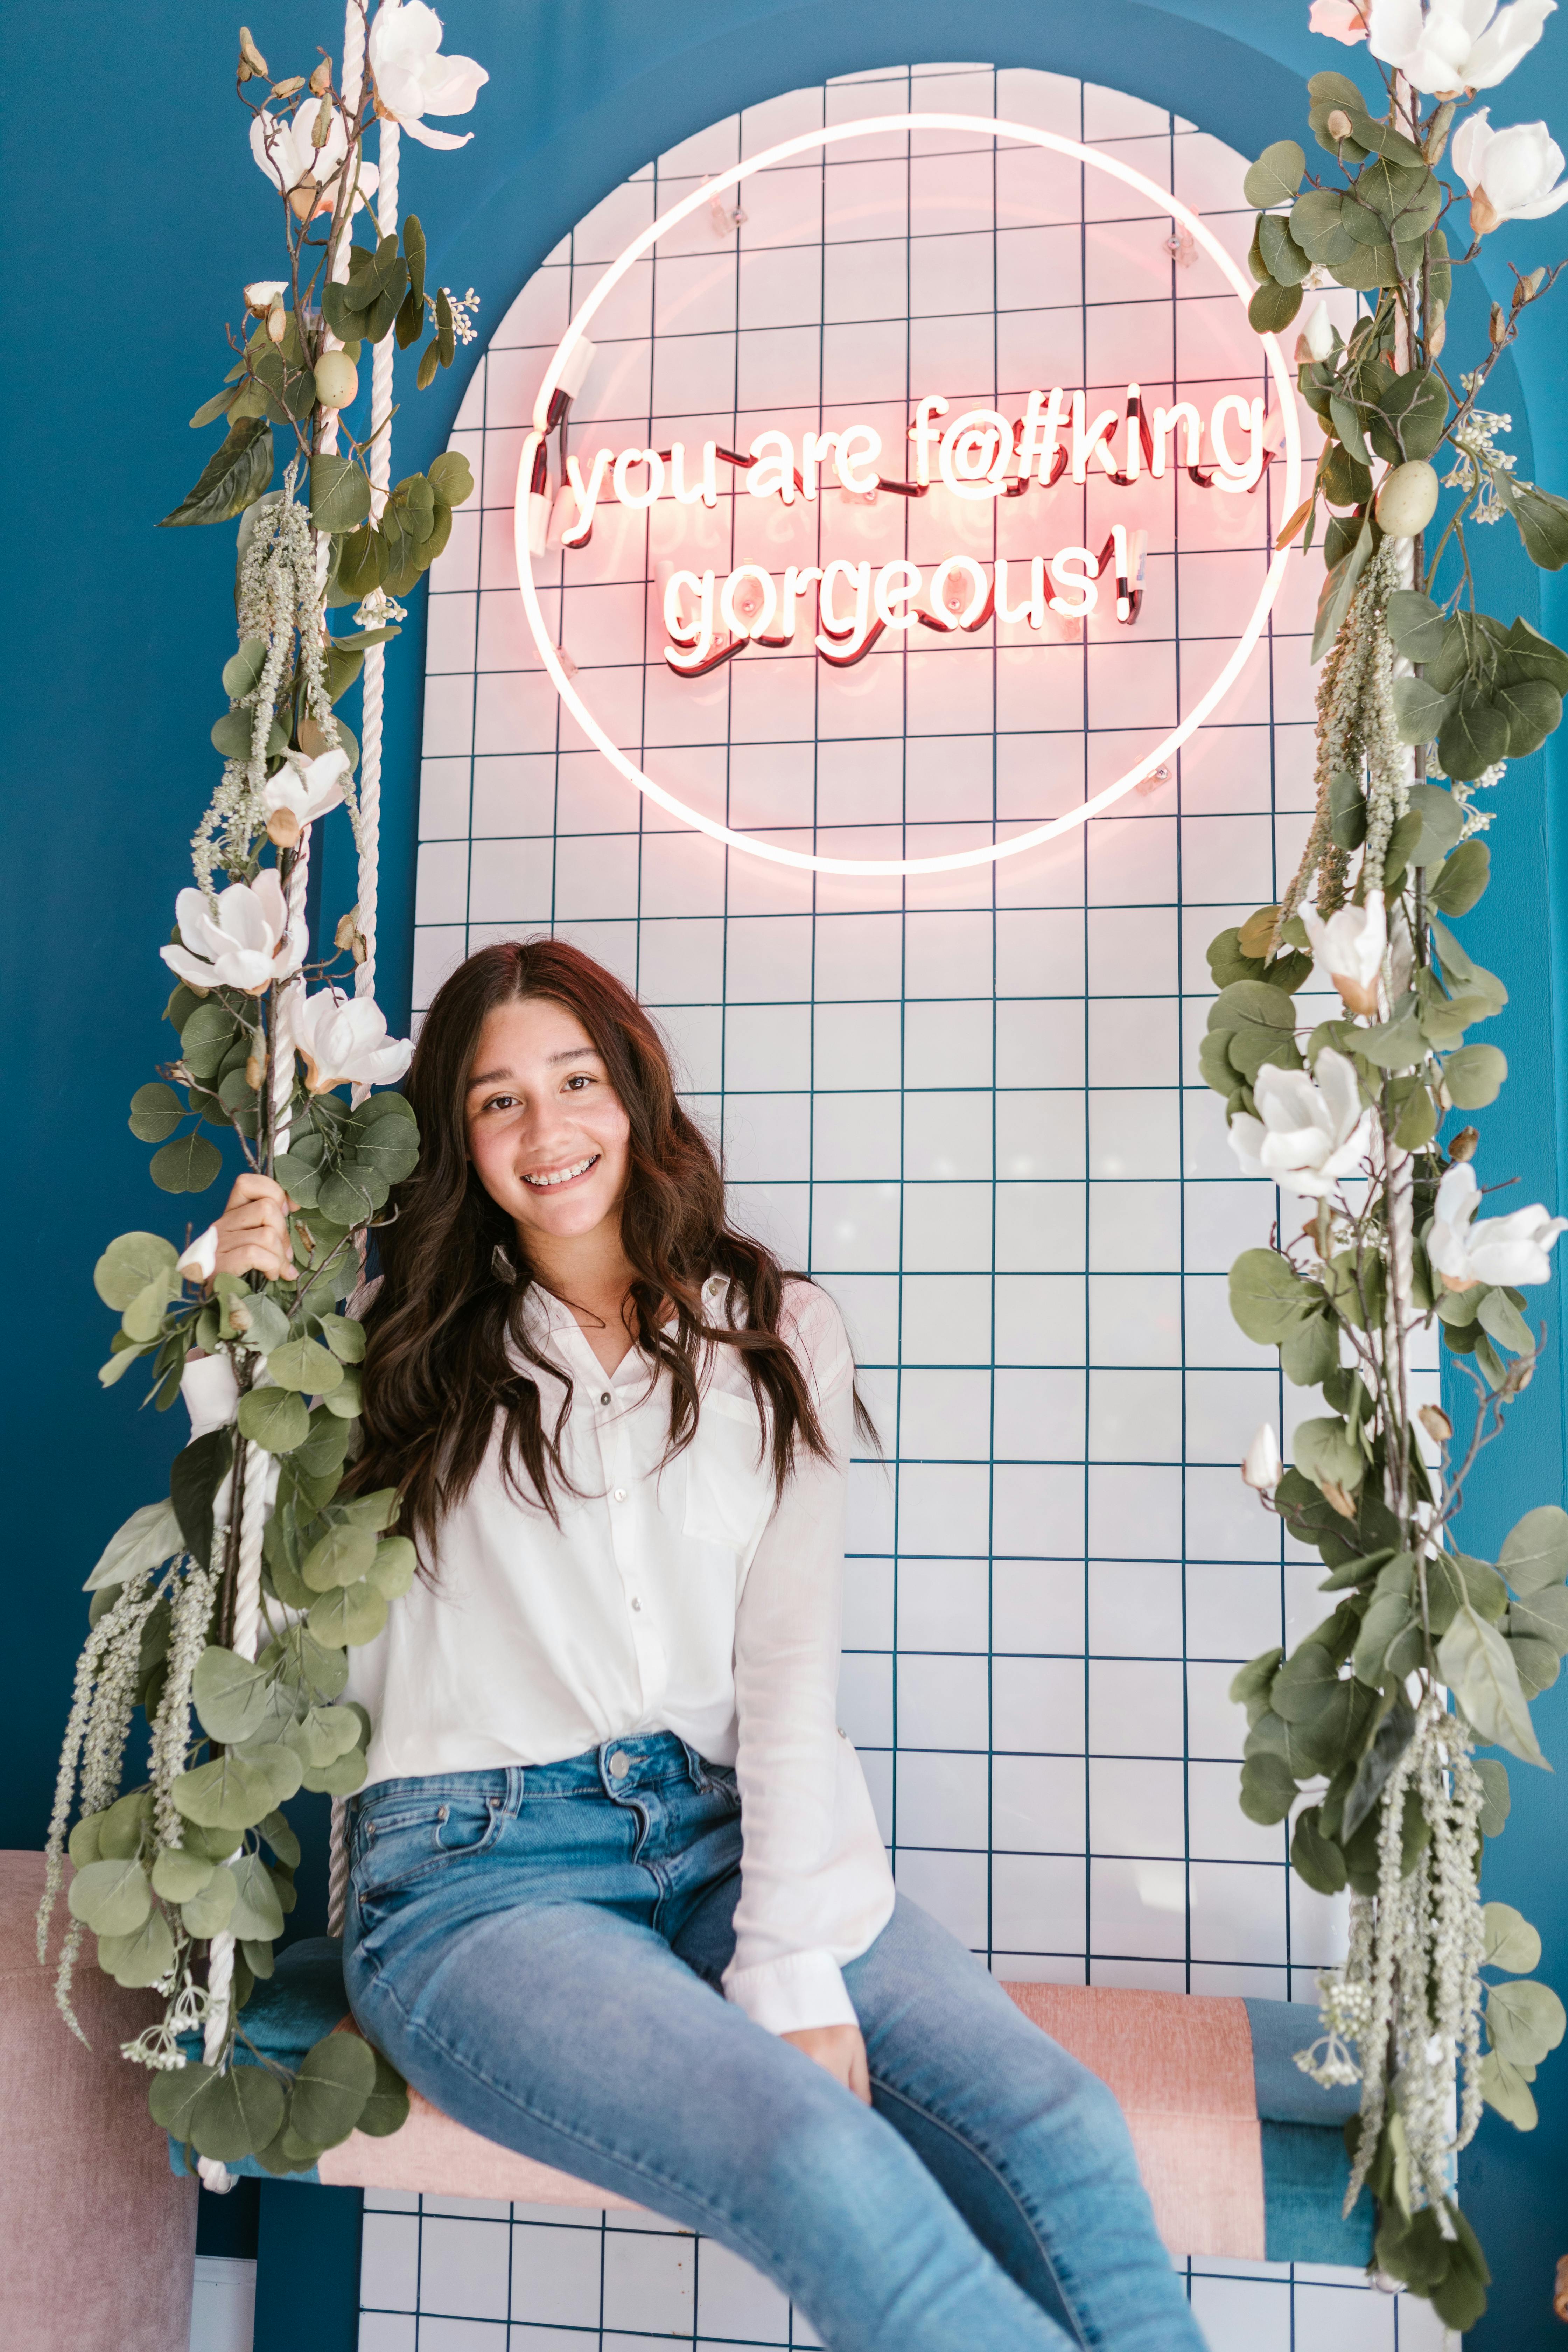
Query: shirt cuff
211,1392
787,1996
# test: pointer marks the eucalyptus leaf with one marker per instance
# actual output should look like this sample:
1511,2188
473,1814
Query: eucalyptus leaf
1474,1075
1524,2021
1314,1856
1419,710
386,2109
1497,1315
1542,1617
148,1538
1461,879
1541,519
127,1266
1327,1453
340,493
237,2113
1389,1742
188,1164
110,1897
334,2080
172,2096
1267,1296
1268,1790
1442,819
344,1337
275,1419
340,1778
275,1829
341,1557
257,1915
305,1365
141,1956
229,1793
1474,1661
1309,1350
1506,2088
1273,306
1415,625
178,1875
1511,1943
348,1615
208,1912
156,1111
392,1571
1276,174
1535,1554
1493,1774
235,1700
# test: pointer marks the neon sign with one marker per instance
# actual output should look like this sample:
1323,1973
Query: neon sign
977,455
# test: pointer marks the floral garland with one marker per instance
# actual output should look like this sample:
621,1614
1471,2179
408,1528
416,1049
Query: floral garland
224,1613
1365,1733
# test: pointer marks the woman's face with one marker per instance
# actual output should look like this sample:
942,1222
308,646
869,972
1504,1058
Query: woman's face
546,1133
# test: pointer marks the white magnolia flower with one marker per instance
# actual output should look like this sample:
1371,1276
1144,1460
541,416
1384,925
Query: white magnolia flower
343,1041
1313,1131
261,294
1455,44
1512,174
199,1263
1499,1249
413,78
1341,20
296,796
1350,947
1260,1464
247,944
1318,334
284,151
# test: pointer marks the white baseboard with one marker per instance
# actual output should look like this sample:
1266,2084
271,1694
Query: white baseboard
223,2307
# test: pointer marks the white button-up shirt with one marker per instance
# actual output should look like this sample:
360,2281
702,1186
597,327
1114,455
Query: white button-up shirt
684,1598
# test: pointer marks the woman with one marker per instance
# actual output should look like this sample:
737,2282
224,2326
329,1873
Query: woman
618,1897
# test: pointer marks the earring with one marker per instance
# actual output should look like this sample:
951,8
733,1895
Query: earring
501,1265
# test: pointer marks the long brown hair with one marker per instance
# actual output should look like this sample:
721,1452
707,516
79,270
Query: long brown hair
447,1323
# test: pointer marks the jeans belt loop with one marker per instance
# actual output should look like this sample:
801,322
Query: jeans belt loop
514,1788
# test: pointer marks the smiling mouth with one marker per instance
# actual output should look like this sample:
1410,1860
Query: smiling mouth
551,1179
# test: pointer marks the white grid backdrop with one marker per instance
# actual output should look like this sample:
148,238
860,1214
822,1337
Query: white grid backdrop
968,1103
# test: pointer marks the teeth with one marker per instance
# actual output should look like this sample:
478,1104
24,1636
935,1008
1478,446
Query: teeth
561,1175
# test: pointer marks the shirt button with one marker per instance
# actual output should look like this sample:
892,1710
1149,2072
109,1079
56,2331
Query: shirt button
604,1398
620,1494
636,1604
620,1765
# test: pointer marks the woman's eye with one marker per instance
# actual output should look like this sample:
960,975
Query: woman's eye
578,1080
501,1102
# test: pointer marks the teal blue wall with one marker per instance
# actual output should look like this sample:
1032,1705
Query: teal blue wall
132,209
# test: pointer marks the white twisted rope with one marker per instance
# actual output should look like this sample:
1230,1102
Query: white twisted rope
376,659
249,1498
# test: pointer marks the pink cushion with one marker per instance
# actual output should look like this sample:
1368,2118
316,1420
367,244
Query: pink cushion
98,2239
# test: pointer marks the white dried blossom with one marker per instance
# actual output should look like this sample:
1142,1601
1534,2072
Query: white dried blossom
1476,458
378,611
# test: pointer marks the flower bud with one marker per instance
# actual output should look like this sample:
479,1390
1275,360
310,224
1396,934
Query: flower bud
321,79
1484,217
255,1071
1498,325
1261,1468
321,128
287,89
1337,1498
302,197
250,57
349,938
1436,1422
283,830
1463,1145
276,323
1340,125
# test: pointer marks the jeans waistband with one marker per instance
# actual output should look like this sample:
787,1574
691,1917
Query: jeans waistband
617,1767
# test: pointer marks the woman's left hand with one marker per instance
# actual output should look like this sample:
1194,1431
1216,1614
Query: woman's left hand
839,2051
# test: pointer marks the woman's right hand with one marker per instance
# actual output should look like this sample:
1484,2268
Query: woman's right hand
253,1230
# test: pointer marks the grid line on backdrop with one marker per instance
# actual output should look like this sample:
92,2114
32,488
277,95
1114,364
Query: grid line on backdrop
966,1102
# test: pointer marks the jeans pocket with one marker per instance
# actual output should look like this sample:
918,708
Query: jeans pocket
396,1851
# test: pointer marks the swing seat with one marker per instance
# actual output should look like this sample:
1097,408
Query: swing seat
1243,2155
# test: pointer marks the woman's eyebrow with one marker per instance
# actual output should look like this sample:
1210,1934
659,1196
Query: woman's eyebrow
571,1053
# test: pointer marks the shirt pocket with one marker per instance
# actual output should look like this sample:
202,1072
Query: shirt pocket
728,1475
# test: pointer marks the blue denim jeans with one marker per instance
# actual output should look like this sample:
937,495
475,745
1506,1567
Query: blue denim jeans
540,1952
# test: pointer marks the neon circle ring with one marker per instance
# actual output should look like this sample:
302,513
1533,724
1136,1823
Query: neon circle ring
985,853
